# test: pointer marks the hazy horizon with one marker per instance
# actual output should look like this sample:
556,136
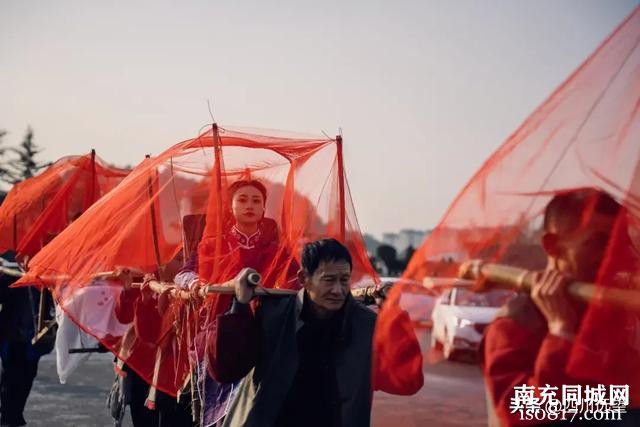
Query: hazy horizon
424,92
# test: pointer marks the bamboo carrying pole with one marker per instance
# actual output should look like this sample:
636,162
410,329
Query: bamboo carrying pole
498,275
223,288
367,293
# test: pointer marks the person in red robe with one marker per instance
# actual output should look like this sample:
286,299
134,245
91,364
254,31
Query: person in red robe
533,340
137,388
249,239
140,308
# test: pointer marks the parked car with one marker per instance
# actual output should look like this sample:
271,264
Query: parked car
460,317
416,299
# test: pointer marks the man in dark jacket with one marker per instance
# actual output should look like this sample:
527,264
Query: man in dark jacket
306,359
19,357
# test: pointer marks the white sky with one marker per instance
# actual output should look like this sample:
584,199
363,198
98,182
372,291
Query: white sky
424,91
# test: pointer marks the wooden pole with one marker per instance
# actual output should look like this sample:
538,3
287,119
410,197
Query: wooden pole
93,176
41,306
366,293
154,227
11,272
42,332
497,275
341,194
217,166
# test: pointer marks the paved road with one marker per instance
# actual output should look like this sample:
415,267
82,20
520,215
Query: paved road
80,402
452,396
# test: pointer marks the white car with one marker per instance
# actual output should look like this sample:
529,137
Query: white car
460,317
415,299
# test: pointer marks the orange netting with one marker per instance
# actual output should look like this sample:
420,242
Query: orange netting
39,208
585,135
175,212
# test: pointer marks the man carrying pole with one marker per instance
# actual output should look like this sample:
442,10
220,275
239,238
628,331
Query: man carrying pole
306,359
547,340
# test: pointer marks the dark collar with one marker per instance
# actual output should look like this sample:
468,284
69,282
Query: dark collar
341,321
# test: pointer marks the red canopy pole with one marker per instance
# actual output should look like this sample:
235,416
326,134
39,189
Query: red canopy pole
217,170
341,187
154,227
93,176
287,203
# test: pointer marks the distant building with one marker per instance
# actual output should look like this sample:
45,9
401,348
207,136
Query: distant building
371,244
405,238
390,239
408,238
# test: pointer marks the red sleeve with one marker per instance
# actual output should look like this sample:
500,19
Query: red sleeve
232,345
124,307
514,356
147,321
397,359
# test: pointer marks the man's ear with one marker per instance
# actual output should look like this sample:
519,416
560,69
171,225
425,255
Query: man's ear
550,244
302,277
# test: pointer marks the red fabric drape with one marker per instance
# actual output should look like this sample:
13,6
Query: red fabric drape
142,225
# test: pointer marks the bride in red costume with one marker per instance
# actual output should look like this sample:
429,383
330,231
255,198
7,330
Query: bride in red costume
249,240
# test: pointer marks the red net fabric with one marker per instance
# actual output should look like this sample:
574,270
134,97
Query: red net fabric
177,205
39,208
585,135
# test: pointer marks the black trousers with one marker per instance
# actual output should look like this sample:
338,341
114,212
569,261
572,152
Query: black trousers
141,416
18,371
168,413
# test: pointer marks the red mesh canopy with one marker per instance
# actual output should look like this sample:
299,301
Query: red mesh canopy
586,134
173,204
39,208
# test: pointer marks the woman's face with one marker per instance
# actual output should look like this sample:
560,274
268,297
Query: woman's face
247,205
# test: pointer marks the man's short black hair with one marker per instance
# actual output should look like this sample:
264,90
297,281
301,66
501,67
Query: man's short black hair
323,250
